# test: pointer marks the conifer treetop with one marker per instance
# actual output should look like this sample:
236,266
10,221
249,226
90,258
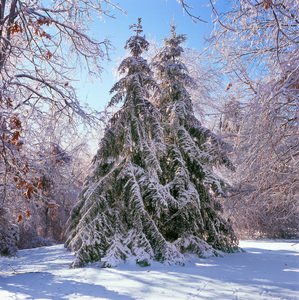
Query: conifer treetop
168,63
137,43
174,78
172,44
137,74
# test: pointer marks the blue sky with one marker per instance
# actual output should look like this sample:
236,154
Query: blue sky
156,16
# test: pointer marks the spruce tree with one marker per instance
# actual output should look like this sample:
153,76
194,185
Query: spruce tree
117,215
192,151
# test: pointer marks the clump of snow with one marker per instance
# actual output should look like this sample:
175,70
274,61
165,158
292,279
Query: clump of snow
266,270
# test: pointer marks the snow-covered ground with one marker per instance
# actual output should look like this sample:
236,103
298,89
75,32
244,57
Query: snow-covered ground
267,270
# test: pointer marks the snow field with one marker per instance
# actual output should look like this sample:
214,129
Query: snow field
267,270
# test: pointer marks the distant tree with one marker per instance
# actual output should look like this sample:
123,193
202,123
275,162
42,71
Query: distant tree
140,202
58,155
232,117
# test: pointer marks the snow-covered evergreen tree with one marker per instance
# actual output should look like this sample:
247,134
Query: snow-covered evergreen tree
118,214
142,200
192,151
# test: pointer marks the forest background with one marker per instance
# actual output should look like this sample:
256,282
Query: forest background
247,92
